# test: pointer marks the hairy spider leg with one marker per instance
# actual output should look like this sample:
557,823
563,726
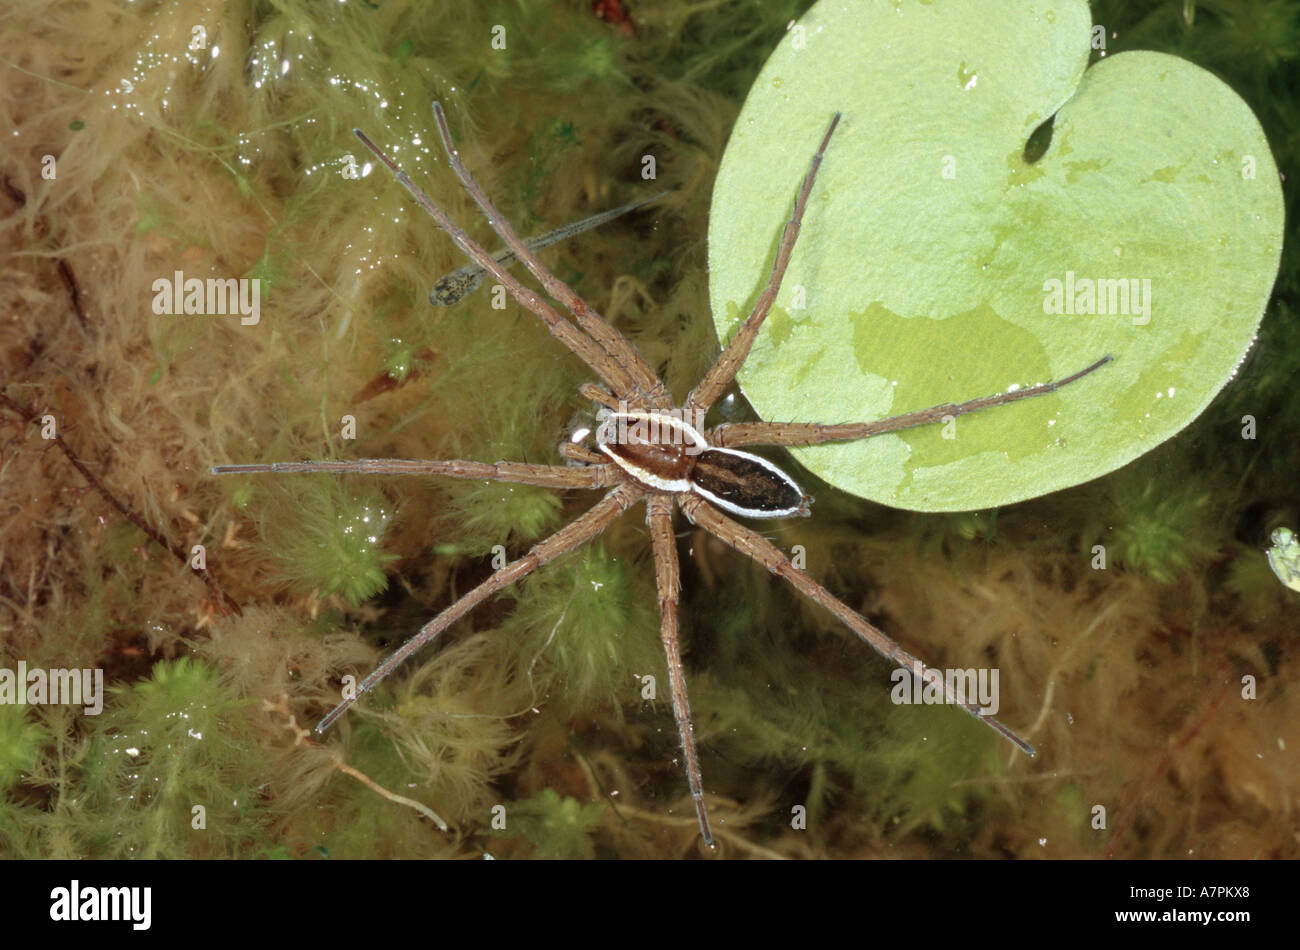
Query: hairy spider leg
754,545
519,473
649,388
728,363
815,433
575,533
584,455
659,518
578,342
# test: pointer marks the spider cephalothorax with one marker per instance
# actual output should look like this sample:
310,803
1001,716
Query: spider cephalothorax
662,452
653,452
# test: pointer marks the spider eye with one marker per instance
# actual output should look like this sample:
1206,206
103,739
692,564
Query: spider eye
579,435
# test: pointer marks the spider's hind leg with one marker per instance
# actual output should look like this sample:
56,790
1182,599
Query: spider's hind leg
599,517
659,517
754,545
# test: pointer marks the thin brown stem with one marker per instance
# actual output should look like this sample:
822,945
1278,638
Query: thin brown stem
69,281
136,519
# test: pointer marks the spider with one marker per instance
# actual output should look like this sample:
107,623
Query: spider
648,450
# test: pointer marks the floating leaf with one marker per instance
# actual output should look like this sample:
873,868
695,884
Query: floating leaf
933,253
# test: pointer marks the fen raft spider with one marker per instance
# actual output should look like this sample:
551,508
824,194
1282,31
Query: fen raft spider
651,451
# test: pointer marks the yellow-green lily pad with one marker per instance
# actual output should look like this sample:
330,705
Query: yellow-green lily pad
937,264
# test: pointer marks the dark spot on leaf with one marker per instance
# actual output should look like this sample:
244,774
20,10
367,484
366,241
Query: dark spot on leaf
1039,141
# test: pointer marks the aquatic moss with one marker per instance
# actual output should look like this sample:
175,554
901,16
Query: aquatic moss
21,741
334,543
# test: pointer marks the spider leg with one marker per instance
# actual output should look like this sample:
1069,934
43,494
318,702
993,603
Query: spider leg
723,371
764,552
597,519
580,453
598,395
520,473
598,328
812,433
659,517
582,346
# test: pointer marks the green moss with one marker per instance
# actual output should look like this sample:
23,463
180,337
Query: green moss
558,828
162,773
1162,529
333,544
21,742
592,622
495,513
166,747
861,762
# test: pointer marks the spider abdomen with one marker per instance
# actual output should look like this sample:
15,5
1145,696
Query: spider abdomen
665,453
747,485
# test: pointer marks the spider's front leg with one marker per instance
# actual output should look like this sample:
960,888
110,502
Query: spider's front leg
621,352
578,342
728,363
814,433
518,473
